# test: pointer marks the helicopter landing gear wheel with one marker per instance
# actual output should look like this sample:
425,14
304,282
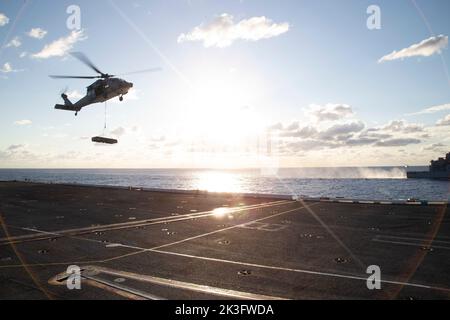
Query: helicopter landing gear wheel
121,98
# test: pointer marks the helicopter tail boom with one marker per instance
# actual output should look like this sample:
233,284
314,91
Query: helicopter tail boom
66,107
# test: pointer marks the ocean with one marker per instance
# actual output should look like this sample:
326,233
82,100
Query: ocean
375,183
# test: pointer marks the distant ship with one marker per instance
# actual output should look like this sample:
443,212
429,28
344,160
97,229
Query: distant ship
438,169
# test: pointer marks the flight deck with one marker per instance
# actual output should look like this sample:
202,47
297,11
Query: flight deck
131,243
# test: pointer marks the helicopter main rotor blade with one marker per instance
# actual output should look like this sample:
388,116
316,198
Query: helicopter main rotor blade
74,77
82,57
139,71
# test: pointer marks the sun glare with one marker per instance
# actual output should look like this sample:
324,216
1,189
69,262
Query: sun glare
220,212
218,182
220,108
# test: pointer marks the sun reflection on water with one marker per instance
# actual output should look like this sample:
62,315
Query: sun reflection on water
214,181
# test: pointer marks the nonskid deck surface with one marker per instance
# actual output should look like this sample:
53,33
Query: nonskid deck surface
133,244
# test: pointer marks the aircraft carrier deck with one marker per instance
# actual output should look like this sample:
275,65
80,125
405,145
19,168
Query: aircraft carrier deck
140,244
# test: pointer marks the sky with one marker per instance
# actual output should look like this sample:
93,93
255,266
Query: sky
301,83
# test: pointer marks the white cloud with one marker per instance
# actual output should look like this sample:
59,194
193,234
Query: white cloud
223,31
7,68
24,122
15,147
15,42
397,142
329,112
402,126
23,54
37,33
120,131
341,132
433,109
3,19
424,48
60,47
445,121
437,147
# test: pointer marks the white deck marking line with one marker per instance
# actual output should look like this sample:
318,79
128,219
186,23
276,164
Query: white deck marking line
128,225
181,285
164,219
410,244
141,250
317,273
229,228
384,237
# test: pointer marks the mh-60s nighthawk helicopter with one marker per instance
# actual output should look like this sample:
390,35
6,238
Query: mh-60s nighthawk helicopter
107,87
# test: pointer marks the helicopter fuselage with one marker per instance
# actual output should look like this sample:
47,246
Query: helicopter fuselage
100,91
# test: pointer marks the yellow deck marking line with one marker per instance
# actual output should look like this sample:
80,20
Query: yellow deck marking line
128,225
304,271
22,262
138,248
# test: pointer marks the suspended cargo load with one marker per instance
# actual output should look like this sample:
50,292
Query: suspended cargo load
104,140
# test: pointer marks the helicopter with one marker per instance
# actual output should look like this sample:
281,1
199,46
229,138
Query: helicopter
105,88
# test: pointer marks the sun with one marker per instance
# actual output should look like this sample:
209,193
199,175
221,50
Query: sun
221,108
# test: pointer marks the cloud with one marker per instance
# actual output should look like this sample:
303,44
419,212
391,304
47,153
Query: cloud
23,54
330,112
118,131
402,126
305,132
342,133
438,147
433,109
361,141
307,145
444,122
345,129
7,68
60,47
15,147
397,142
18,152
15,42
3,19
276,126
24,122
37,33
424,48
223,31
